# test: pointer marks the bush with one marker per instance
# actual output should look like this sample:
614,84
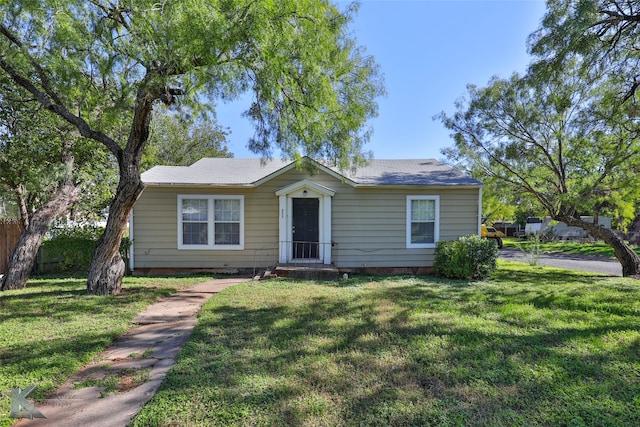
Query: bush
469,257
71,250
66,253
84,231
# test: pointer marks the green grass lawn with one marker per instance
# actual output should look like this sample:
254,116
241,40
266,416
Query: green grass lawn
568,247
51,328
533,346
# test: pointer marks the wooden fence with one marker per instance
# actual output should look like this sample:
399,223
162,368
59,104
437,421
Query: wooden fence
9,235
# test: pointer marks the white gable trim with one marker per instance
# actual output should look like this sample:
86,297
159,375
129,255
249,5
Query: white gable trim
306,185
315,163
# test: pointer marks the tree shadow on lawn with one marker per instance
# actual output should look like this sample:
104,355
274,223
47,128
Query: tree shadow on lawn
49,355
46,363
409,355
64,301
50,331
543,276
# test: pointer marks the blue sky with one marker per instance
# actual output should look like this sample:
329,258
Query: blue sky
429,50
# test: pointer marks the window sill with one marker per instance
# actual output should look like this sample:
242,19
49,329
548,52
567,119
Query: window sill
211,248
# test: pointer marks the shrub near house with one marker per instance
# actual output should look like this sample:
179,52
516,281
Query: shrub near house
469,257
71,249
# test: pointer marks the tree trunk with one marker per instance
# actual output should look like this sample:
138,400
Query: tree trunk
24,254
22,206
628,257
107,267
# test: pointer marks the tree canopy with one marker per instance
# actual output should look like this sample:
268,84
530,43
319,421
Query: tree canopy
30,152
181,140
602,33
566,133
44,169
32,143
560,139
102,65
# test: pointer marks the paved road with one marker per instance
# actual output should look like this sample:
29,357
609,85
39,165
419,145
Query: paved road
571,262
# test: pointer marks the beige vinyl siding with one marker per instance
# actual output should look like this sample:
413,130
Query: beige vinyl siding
156,225
156,231
368,225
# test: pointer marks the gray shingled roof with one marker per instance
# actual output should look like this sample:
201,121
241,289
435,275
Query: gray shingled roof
247,172
409,172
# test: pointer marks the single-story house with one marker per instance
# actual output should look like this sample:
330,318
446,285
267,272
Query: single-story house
243,214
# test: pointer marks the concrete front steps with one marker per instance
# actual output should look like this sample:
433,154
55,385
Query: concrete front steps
301,271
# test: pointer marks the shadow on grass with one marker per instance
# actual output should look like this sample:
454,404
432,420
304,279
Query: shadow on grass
542,276
418,352
49,330
68,300
51,355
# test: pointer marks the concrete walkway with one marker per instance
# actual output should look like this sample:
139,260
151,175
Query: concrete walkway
135,365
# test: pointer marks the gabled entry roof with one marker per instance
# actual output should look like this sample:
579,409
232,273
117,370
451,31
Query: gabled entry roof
301,185
253,172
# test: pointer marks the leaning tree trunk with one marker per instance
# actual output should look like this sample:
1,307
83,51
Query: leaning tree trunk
24,254
628,257
107,267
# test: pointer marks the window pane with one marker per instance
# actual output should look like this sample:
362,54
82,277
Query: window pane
227,234
227,210
194,210
422,232
423,210
194,233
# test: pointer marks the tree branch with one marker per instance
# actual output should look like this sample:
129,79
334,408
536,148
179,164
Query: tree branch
47,102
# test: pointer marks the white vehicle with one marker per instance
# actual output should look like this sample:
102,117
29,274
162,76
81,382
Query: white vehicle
533,226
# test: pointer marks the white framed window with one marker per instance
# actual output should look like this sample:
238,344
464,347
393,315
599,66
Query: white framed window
210,222
423,221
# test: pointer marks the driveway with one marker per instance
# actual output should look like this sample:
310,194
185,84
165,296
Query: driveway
610,266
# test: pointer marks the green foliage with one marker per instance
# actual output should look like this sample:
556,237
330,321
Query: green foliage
602,33
181,140
68,249
495,204
8,209
469,257
71,249
30,149
82,231
560,140
531,347
33,146
522,214
566,133
532,249
566,247
313,88
546,139
103,66
66,254
51,328
600,36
